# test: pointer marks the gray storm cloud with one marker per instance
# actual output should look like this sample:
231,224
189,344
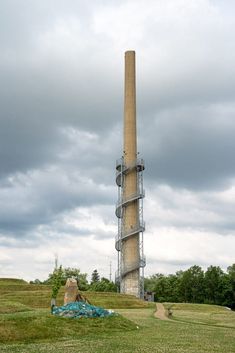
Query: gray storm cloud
61,108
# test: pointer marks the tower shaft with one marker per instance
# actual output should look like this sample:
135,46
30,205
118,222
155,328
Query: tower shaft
130,139
129,241
130,249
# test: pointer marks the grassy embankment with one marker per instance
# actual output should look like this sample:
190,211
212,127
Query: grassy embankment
26,325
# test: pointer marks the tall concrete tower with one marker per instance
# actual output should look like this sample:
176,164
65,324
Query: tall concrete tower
129,210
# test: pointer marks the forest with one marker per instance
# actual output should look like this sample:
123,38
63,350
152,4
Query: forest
213,286
194,285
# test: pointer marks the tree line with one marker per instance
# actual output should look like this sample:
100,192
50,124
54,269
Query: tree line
59,276
214,286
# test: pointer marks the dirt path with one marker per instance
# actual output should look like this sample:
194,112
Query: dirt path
160,313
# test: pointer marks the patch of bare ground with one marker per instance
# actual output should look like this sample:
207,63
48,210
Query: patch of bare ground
160,313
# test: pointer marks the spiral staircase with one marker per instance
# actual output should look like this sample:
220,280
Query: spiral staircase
135,231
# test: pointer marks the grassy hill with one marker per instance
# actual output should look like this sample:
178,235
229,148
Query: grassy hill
10,281
27,326
39,296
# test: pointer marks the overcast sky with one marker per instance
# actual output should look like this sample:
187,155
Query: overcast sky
61,116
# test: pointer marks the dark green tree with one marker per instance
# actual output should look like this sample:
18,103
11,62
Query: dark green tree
149,283
214,285
36,281
95,277
81,278
70,273
173,284
231,273
227,295
231,276
191,285
104,285
56,282
164,286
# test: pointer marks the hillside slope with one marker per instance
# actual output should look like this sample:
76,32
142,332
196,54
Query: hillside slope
26,325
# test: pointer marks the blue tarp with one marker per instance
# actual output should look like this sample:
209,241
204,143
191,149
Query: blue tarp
81,309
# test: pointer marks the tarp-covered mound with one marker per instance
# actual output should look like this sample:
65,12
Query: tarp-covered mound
81,309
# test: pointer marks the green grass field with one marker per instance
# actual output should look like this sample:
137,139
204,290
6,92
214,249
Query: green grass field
26,325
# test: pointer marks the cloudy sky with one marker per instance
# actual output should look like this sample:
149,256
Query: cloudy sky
61,111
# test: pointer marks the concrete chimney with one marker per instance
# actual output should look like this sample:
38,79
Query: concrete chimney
129,179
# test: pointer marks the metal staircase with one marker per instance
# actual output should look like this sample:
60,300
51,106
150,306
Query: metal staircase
136,231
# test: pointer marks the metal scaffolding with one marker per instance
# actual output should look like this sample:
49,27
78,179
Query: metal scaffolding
136,231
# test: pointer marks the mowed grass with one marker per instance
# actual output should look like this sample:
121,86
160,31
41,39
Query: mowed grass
26,325
40,325
25,314
203,314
